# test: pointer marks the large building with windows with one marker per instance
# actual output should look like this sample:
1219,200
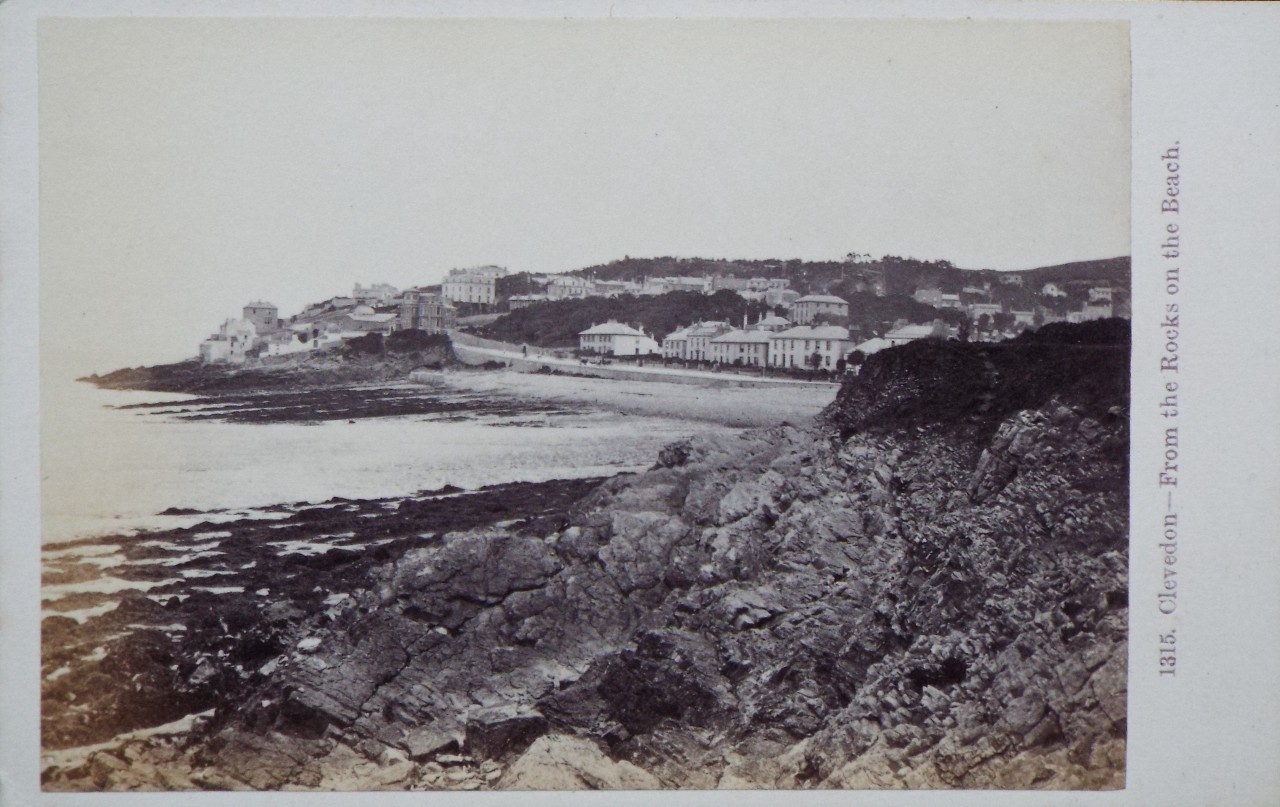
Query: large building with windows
803,345
746,348
805,309
477,285
425,311
264,316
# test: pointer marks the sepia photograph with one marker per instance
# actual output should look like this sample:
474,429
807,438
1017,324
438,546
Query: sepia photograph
584,404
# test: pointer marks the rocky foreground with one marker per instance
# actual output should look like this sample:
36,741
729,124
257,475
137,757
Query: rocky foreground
927,588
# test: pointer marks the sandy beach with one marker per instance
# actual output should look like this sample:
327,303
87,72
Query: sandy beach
728,406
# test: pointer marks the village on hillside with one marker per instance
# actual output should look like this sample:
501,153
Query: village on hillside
781,329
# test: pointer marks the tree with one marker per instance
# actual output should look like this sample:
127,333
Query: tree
984,322
963,333
815,361
856,358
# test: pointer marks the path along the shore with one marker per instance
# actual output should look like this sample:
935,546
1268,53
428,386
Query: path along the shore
475,350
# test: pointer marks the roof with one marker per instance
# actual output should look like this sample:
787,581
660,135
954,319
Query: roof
757,337
822,298
873,346
259,304
910,332
679,333
611,329
362,309
812,332
371,317
774,319
708,328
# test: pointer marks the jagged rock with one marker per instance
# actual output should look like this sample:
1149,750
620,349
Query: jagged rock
497,733
927,590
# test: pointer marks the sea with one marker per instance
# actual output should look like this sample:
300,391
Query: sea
111,470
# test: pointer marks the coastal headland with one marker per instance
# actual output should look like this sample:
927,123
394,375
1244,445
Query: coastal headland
924,586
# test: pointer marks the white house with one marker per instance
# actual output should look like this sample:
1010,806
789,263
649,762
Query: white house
476,285
617,339
234,338
805,309
676,344
1052,290
748,348
795,347
700,336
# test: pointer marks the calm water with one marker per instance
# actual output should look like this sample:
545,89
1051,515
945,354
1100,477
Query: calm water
108,470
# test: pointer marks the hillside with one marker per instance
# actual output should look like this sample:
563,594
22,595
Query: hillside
927,588
557,324
902,275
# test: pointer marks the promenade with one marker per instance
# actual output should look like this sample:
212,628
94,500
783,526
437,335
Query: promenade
472,349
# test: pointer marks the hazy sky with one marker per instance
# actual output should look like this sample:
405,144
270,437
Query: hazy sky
189,166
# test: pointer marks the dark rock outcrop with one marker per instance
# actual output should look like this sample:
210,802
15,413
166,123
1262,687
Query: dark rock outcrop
919,592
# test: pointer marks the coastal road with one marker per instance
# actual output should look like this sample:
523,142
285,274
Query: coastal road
474,350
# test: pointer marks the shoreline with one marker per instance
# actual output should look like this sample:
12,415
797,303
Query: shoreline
730,406
197,611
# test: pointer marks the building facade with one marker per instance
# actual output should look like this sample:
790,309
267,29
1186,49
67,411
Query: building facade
796,347
476,286
264,316
700,336
425,311
569,287
676,344
805,309
231,344
617,339
742,348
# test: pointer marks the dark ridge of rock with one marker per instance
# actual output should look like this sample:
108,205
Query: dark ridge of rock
925,591
343,365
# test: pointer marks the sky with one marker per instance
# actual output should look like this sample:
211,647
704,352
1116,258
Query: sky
188,166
